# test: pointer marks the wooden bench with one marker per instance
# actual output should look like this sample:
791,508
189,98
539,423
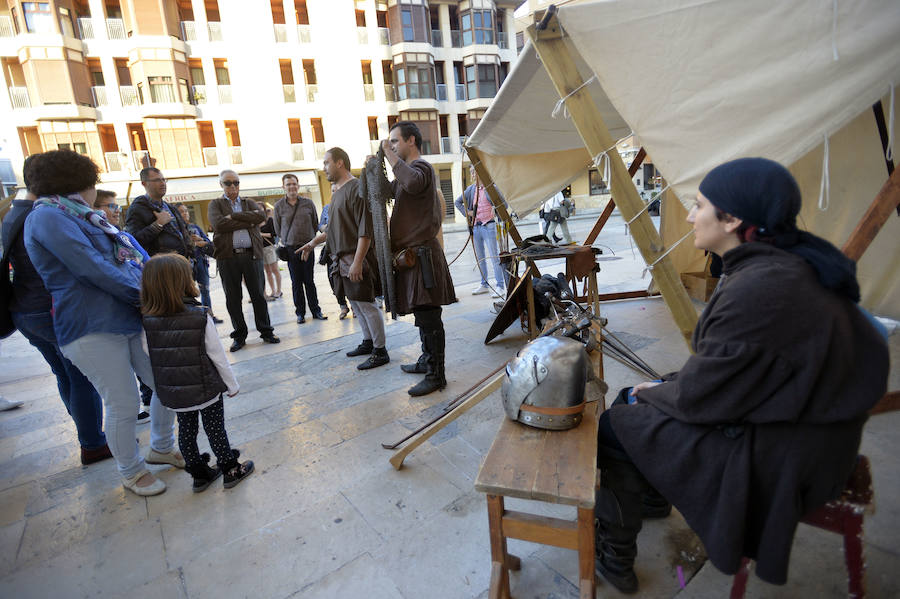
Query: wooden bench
551,466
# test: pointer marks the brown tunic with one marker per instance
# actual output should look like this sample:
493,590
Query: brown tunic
416,221
349,219
763,422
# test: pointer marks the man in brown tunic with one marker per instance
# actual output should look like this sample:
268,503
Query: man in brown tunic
349,235
415,223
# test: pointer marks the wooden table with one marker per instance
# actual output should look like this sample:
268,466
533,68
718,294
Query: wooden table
551,466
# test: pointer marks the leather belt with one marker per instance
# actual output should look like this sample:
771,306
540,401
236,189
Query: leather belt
490,222
243,250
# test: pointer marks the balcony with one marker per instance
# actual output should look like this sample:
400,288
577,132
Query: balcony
141,159
369,92
162,93
215,31
502,40
290,94
362,35
445,146
235,155
374,146
304,33
188,31
129,95
320,150
114,161
115,29
312,93
210,156
460,92
441,92
456,39
297,152
437,40
384,36
389,93
198,94
224,94
98,93
19,97
86,28
462,142
280,32
6,27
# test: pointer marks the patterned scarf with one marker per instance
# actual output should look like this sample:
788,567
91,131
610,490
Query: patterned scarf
127,249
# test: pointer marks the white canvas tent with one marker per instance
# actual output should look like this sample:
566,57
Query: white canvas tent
703,81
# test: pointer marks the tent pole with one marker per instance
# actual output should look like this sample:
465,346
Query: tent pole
882,206
557,58
604,216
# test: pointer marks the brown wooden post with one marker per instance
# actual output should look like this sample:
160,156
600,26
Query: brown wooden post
883,205
604,216
556,56
488,182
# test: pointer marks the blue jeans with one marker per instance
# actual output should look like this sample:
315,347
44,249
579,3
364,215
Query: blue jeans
484,238
110,362
78,395
201,275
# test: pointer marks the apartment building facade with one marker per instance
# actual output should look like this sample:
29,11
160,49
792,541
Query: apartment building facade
260,86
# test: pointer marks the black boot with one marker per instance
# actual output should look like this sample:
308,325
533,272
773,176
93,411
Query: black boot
654,505
421,365
362,349
203,475
378,358
435,378
235,472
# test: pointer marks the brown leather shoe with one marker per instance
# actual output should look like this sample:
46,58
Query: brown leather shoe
90,456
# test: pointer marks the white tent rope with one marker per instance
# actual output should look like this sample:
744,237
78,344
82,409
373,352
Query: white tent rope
667,252
561,105
605,154
647,206
825,187
834,15
889,151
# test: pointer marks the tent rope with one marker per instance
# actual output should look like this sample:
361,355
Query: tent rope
825,187
647,205
667,252
834,16
596,160
561,105
889,151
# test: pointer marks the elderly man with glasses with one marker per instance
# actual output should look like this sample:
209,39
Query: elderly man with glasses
239,256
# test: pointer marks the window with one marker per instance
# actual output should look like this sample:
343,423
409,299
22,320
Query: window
161,89
471,84
65,22
222,77
596,183
185,91
487,81
406,21
38,18
415,80
477,27
481,77
373,128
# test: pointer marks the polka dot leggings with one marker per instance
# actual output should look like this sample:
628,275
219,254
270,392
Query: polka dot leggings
213,424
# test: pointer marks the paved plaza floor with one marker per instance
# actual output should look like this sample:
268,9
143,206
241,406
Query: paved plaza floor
325,515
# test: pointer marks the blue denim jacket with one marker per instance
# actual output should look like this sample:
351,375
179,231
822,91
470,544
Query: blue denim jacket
91,292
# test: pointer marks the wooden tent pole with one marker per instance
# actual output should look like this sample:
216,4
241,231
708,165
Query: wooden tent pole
882,207
556,56
488,182
607,211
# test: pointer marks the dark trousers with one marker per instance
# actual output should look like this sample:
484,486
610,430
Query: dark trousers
214,426
302,278
232,271
201,275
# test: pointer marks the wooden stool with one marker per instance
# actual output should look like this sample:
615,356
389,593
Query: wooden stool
551,466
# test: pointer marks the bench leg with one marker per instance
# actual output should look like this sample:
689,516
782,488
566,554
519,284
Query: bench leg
586,553
500,561
853,554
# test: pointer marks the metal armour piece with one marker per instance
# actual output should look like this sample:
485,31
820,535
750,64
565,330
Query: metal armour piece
548,375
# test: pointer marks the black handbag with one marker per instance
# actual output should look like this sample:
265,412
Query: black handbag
7,327
283,252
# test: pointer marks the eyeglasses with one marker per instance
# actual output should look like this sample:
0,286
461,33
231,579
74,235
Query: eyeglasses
112,207
231,183
160,180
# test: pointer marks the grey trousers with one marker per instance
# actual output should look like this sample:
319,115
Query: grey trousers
371,321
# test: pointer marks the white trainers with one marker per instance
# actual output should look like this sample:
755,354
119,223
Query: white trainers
480,289
172,458
154,488
7,404
499,292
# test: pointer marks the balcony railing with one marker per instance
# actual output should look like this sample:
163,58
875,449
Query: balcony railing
456,39
304,33
162,93
86,28
297,152
19,97
290,94
502,40
215,31
460,92
98,93
6,27
115,29
384,36
362,35
114,161
441,92
445,145
437,40
129,95
369,92
389,93
235,155
312,93
462,141
141,159
210,156
198,94
224,94
374,146
280,32
320,150
188,31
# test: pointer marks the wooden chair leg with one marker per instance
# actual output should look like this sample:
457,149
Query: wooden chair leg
586,582
499,557
853,555
739,586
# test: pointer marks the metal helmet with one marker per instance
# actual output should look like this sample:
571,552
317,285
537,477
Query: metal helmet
544,384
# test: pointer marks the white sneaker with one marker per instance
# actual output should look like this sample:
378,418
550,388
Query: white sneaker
480,289
6,404
154,488
172,458
499,292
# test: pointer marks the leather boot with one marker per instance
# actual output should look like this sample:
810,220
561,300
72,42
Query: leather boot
435,378
363,349
654,505
202,474
421,365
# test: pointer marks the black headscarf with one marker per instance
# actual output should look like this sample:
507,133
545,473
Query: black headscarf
763,193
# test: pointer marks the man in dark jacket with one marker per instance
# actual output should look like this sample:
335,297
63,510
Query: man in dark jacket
156,225
238,252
